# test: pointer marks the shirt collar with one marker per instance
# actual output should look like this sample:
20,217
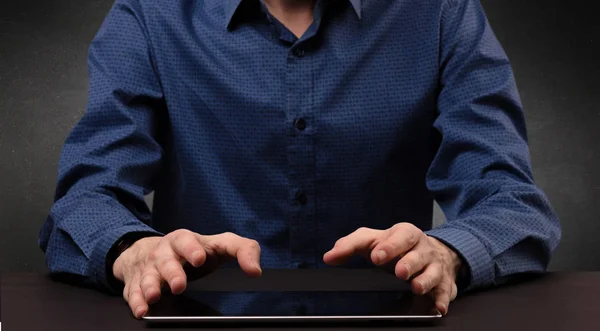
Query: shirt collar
231,6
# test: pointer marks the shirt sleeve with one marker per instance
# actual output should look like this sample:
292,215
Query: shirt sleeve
498,221
109,160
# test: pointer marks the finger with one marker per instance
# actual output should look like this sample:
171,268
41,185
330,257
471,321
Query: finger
167,262
126,292
454,292
136,301
360,241
428,279
248,256
401,239
229,245
411,264
151,285
442,295
186,245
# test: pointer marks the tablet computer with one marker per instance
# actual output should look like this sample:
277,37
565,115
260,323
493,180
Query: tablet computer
292,306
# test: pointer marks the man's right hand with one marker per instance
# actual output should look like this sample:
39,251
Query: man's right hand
150,262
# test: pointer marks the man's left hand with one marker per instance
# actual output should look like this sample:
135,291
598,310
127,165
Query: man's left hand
430,265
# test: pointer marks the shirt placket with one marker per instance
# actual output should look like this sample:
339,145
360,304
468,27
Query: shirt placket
301,156
301,124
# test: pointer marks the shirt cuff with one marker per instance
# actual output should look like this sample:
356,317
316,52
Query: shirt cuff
100,273
473,252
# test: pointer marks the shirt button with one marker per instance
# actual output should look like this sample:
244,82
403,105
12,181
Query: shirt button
301,198
300,124
299,52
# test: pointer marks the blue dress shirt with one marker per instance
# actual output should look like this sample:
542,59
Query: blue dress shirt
237,125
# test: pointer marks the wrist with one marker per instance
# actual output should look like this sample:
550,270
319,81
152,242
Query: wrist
453,260
121,251
117,256
456,261
459,266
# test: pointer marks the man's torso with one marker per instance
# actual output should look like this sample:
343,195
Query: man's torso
295,144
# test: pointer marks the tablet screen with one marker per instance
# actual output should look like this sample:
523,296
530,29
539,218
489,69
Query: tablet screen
293,303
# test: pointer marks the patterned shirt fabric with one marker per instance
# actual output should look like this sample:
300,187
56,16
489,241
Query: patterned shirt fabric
238,125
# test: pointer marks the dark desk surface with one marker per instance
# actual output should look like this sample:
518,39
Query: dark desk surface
557,301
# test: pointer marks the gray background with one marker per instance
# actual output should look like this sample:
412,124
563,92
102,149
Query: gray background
554,47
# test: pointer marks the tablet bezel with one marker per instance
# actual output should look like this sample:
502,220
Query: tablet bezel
173,318
285,319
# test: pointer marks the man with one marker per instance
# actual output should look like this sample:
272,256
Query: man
298,134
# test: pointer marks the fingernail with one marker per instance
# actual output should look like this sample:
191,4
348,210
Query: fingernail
444,309
407,267
381,255
423,289
173,282
196,258
195,255
138,311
